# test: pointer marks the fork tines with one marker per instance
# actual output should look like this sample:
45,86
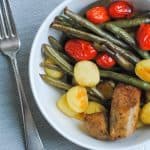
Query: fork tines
7,25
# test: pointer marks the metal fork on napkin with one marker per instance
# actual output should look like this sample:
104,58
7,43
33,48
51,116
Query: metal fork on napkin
9,45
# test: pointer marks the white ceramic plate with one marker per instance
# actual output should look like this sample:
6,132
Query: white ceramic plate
46,96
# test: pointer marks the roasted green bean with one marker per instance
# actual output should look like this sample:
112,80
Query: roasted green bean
126,79
55,44
63,23
56,57
55,83
121,33
65,19
127,23
69,22
85,23
50,66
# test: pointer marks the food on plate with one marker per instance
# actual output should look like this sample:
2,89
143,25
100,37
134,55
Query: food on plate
105,61
55,44
125,36
80,49
128,23
62,104
147,94
98,15
142,70
94,107
102,63
124,111
86,74
106,88
120,9
53,73
145,113
77,99
56,83
47,62
88,36
90,26
143,37
96,125
112,56
56,57
126,79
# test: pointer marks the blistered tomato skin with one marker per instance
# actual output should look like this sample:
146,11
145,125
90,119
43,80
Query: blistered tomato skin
80,49
105,61
120,10
98,15
143,37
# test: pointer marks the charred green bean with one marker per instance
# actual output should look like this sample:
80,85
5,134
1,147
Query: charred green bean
55,83
56,57
69,22
127,23
55,44
126,79
50,66
121,33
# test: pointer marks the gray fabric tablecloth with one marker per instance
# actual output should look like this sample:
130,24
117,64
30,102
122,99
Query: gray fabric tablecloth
29,14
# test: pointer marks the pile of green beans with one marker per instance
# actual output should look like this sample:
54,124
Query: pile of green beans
111,37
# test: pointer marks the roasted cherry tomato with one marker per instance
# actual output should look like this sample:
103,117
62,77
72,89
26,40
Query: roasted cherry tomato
98,15
105,61
80,49
143,37
120,9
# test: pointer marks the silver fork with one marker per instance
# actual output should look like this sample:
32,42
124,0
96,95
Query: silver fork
9,45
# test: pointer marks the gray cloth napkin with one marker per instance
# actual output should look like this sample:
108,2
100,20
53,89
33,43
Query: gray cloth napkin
29,14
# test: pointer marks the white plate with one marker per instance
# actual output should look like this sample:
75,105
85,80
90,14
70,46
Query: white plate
46,96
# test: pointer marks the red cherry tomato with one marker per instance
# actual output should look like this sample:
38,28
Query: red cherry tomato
98,15
105,61
120,9
80,49
143,37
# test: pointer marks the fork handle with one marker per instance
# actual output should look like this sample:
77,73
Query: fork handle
32,138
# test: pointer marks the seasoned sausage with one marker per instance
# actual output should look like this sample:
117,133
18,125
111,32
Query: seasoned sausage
124,111
96,125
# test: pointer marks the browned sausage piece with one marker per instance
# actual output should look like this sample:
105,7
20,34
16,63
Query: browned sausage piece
97,125
124,111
